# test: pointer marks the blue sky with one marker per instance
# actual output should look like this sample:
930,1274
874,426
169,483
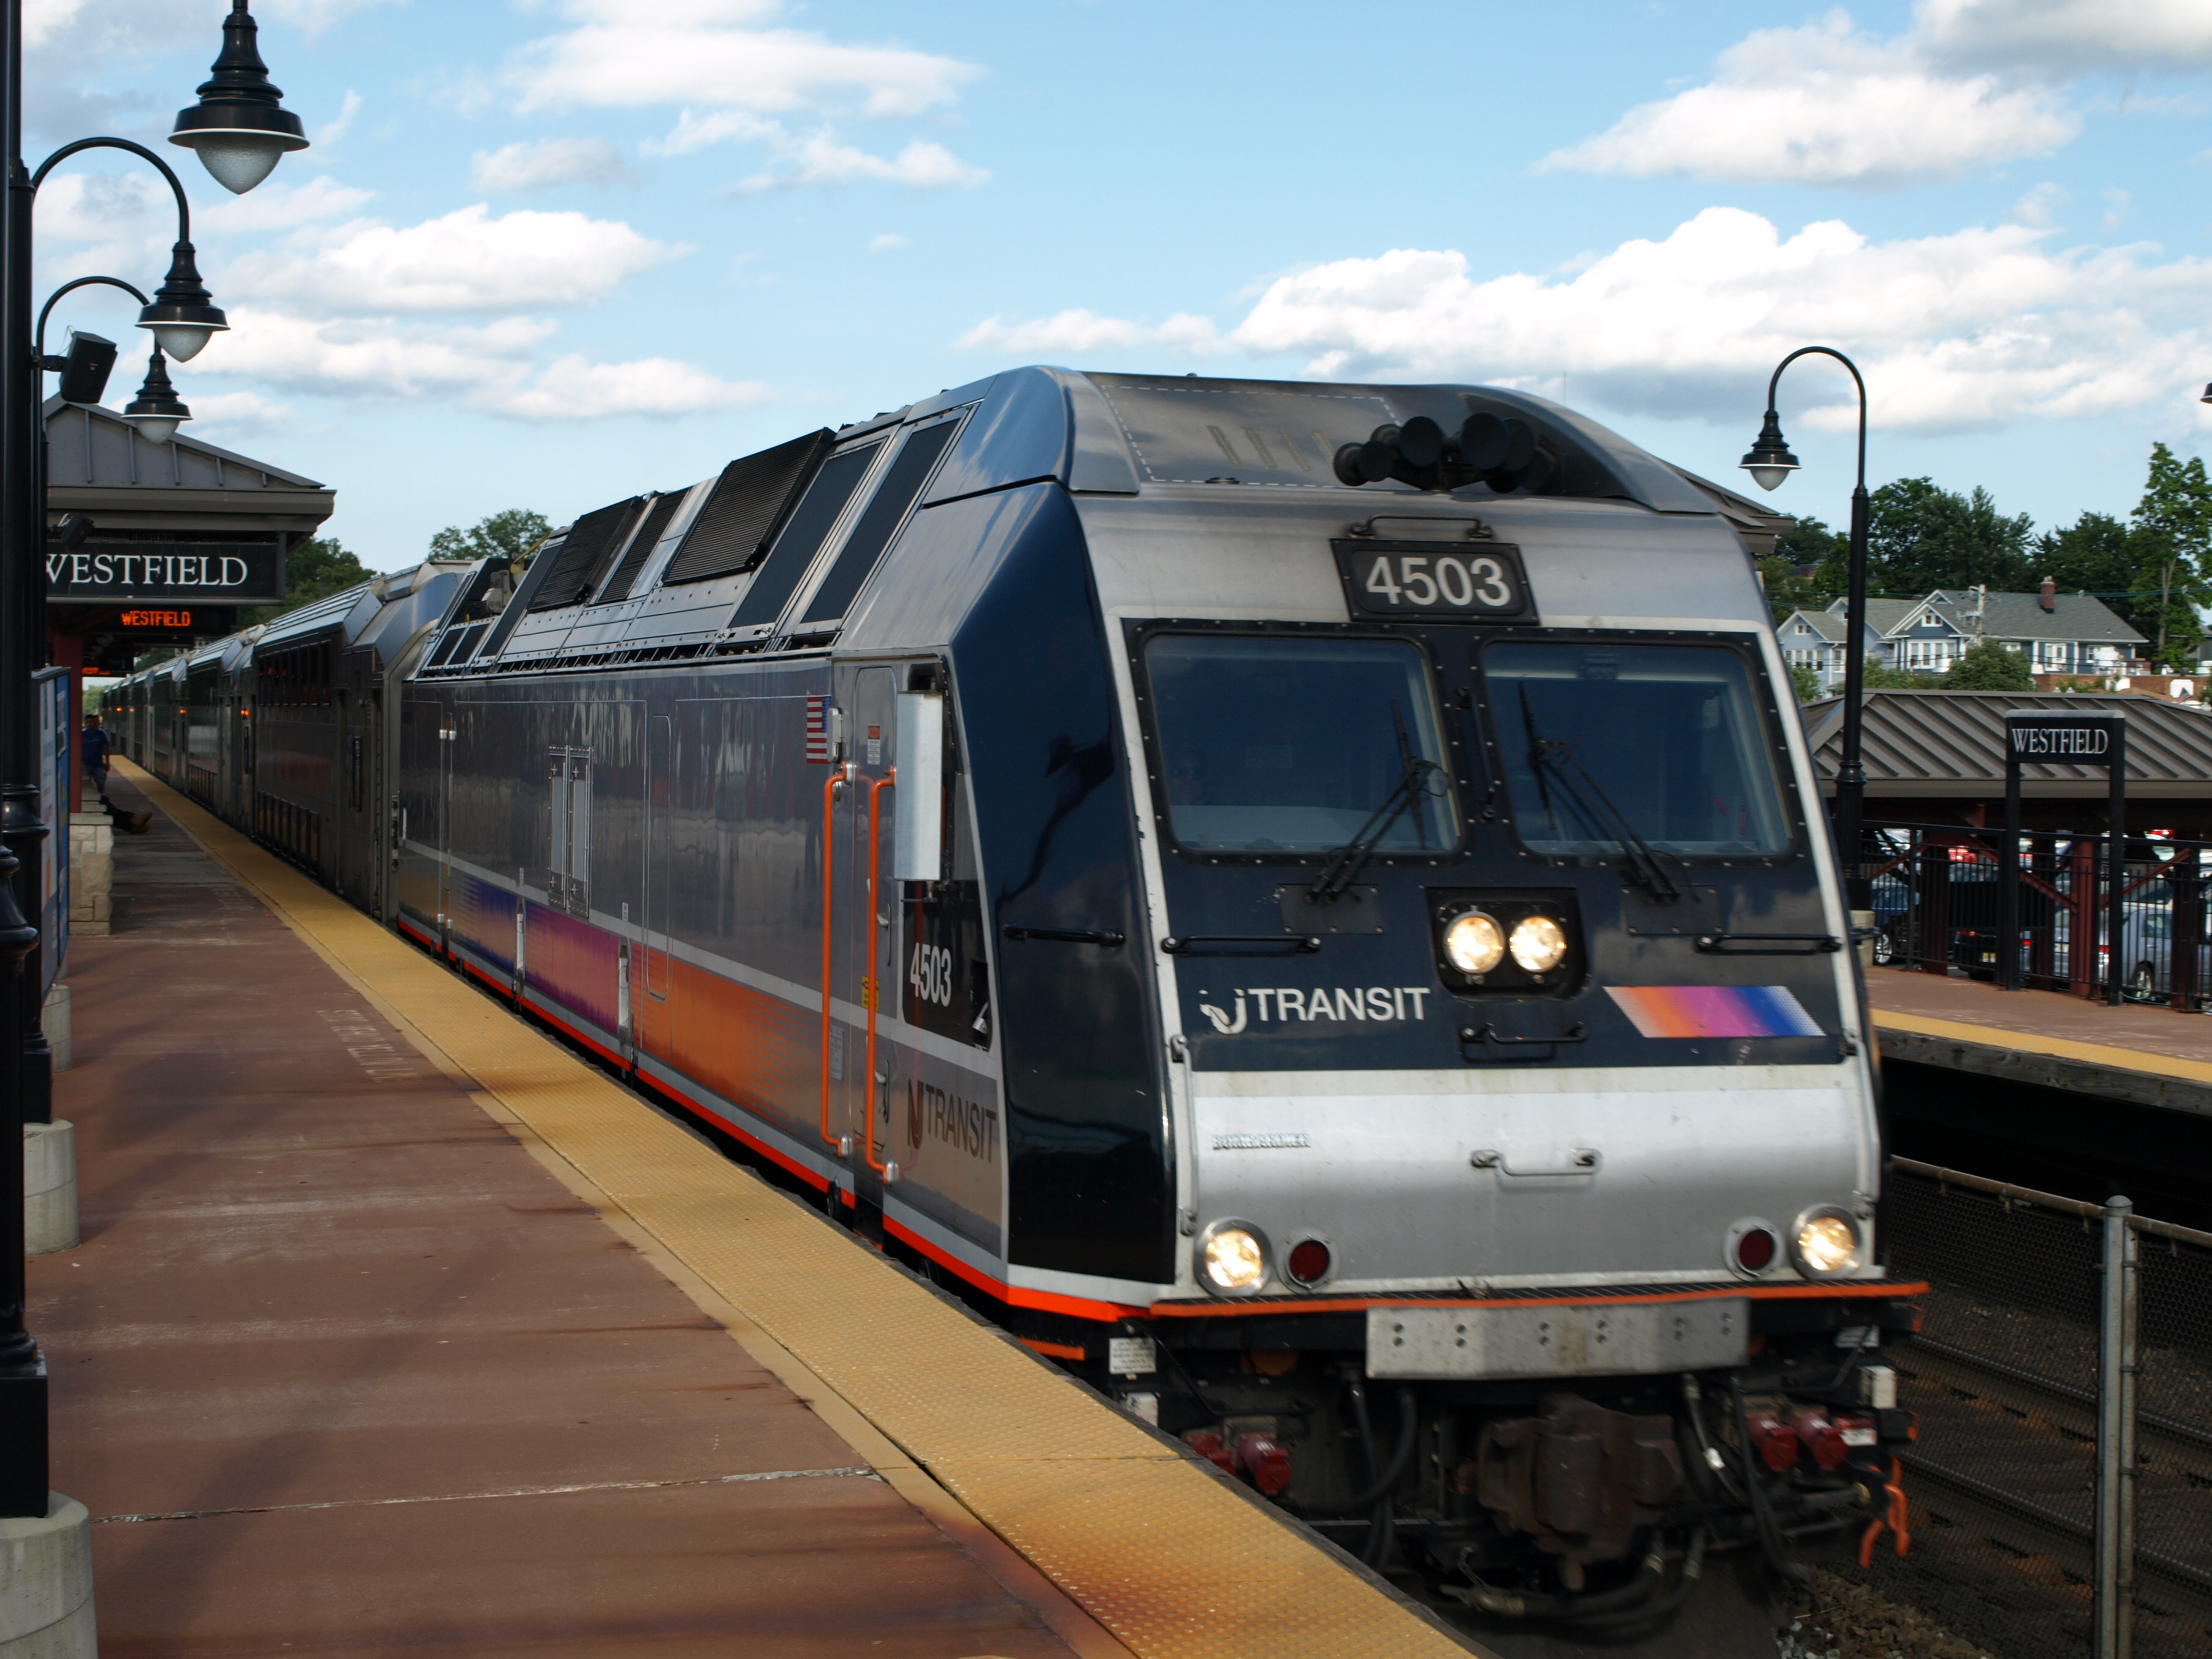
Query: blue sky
545,253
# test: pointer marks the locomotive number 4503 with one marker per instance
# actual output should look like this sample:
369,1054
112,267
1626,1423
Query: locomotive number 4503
1476,581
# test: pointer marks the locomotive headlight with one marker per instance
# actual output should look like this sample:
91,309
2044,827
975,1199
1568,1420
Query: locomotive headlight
1475,943
1232,1258
1824,1243
1539,944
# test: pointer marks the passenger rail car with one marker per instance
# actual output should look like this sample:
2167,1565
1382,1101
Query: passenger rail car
283,729
1307,901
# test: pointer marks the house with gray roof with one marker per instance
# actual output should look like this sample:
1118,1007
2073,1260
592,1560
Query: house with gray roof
2058,633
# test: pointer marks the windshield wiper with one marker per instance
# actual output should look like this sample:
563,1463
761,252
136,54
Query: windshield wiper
1553,757
1347,861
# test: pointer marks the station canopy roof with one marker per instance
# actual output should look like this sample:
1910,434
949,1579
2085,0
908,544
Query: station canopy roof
99,465
1929,754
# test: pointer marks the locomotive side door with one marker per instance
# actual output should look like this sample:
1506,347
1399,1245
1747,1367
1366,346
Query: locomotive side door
865,974
650,1007
448,735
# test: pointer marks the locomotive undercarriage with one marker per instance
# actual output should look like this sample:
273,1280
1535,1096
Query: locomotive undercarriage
1588,1503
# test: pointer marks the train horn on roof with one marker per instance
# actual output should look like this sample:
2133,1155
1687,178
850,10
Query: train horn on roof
1501,452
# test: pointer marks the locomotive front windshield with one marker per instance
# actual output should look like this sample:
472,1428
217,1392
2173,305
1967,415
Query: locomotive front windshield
1663,743
1294,745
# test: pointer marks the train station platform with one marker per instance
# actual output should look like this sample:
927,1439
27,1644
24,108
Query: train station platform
2142,1054
675,1412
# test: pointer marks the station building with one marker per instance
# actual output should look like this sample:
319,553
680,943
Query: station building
184,536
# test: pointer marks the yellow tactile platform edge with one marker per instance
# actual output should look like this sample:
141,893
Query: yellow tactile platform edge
2143,1060
1168,1558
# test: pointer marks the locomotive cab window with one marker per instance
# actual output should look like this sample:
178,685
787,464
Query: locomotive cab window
1276,745
1663,741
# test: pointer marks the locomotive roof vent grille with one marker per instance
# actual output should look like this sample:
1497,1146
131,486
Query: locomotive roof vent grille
751,500
640,548
795,546
895,497
576,561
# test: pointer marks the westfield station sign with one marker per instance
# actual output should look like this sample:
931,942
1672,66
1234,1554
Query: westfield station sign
209,573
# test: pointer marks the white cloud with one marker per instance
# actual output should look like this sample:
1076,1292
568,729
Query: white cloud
146,27
889,242
1823,104
464,261
1080,331
2116,207
103,207
221,418
573,389
376,356
2039,207
493,369
821,161
341,124
100,27
548,162
281,205
697,131
698,53
2069,36
1972,329
315,15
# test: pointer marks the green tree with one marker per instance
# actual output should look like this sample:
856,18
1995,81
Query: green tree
1880,676
1808,684
513,535
2172,540
1806,569
1920,538
315,569
1990,665
2093,554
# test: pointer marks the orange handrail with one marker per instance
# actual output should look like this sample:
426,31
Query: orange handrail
837,780
871,992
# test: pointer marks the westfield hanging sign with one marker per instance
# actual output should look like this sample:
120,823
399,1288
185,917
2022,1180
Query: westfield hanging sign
210,573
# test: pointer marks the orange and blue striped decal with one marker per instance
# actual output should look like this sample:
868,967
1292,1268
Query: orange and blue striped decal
1713,1011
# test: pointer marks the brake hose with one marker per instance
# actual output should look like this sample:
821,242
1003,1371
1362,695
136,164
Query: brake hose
1401,1455
1762,1515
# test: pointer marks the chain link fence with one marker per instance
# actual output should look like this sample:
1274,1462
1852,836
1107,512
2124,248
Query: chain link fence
2033,1386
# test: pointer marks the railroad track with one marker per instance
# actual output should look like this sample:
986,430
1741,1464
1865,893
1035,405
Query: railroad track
2011,1452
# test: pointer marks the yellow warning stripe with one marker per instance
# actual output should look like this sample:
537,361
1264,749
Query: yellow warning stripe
1173,1559
2033,1042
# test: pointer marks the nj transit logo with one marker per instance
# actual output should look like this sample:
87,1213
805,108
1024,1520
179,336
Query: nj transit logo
1270,1004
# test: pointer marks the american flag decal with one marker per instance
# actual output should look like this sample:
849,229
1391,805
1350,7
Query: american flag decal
817,731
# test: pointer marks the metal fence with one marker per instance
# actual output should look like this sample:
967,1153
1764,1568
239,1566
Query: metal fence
2061,1485
1938,903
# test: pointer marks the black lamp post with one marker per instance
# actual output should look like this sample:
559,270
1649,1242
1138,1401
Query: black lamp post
1769,462
240,132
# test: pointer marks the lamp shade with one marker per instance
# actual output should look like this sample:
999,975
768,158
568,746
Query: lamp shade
183,316
1770,460
156,411
239,126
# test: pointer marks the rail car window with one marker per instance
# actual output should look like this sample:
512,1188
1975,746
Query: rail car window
1663,741
1292,745
810,524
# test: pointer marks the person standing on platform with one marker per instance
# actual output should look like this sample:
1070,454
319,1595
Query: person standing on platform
91,749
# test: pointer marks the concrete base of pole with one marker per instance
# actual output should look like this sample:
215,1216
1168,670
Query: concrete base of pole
49,1188
45,1584
1861,920
55,1024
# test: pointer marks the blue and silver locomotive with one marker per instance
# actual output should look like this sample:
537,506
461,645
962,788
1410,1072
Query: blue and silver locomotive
1310,902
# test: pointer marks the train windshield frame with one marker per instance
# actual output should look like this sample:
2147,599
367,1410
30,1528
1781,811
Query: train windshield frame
1303,740
1671,742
